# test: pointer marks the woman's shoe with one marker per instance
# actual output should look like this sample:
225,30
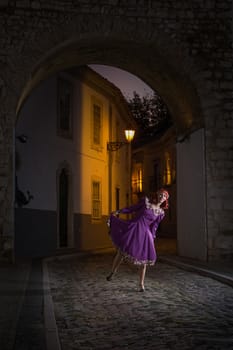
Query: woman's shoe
109,277
142,289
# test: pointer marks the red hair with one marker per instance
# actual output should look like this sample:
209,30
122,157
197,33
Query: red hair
163,191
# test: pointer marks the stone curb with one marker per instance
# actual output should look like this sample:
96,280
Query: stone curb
10,333
200,270
51,332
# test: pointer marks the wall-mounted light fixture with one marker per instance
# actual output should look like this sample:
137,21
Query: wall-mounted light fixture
114,146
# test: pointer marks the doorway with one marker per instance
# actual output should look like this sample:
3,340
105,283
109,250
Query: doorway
63,208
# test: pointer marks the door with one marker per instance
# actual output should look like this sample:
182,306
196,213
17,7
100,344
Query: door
63,208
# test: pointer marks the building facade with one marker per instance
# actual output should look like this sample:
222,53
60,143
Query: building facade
179,167
154,167
73,180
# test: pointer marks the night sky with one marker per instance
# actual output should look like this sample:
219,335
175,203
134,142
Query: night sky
124,80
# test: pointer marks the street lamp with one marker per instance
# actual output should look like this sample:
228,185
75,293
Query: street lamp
114,146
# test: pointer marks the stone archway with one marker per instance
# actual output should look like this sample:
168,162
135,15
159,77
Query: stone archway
159,74
183,102
138,46
139,58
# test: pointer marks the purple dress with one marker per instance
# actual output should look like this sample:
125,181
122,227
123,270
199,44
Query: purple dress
135,238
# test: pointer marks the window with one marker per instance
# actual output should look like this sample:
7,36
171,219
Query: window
64,105
97,111
96,200
97,124
137,179
167,173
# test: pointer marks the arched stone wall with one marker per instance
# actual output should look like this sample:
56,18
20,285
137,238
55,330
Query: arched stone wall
143,60
183,50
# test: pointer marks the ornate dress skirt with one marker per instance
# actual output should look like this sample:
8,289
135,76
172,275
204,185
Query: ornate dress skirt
135,238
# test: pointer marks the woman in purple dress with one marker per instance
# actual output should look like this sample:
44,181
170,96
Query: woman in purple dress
134,239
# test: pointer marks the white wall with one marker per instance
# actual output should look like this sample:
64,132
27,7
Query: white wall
92,163
44,151
191,197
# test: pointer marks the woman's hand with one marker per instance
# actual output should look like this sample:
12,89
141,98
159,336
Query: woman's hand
115,213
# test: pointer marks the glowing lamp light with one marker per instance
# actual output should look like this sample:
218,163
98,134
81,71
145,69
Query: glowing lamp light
114,146
129,135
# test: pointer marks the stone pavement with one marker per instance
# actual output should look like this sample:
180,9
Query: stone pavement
21,306
13,282
30,331
220,271
178,310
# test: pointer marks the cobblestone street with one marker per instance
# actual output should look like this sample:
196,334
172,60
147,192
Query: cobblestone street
178,310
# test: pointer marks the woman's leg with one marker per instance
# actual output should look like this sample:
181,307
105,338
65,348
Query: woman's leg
116,263
142,277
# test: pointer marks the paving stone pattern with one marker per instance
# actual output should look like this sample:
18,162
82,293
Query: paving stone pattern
178,310
30,333
12,289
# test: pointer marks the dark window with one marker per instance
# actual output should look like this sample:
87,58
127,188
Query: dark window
64,108
96,124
